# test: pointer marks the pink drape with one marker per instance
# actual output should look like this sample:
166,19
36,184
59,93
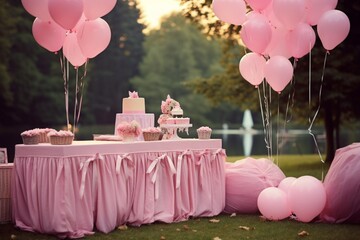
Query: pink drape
70,195
342,185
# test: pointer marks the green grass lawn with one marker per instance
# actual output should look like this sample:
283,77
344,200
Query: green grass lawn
229,227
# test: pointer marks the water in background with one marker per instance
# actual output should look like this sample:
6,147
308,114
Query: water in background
236,142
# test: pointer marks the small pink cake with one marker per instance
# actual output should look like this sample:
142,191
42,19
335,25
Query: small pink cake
152,134
129,131
31,137
61,137
204,132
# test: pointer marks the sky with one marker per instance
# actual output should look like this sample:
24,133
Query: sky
153,10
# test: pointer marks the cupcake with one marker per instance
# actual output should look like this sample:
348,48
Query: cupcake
60,137
31,137
204,132
152,134
44,134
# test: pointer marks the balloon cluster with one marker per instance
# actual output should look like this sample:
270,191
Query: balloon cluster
305,197
276,30
73,25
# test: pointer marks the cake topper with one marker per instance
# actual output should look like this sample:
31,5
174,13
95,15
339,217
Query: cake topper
133,94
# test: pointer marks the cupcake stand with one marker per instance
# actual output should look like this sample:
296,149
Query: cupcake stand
173,129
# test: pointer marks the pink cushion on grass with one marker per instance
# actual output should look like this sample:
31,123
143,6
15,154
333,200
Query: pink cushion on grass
342,186
245,179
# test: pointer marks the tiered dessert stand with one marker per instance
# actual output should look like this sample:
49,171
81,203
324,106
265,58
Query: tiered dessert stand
173,129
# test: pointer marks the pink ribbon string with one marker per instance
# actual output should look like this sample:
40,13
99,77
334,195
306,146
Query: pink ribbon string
202,158
119,162
84,169
219,152
154,167
186,153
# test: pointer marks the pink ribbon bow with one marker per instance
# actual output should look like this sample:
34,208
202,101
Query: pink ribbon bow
202,158
84,169
178,169
218,152
154,167
119,161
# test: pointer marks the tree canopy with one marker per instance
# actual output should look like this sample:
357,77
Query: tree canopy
110,72
173,54
340,88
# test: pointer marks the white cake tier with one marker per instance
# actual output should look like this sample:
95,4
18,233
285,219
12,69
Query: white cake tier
133,105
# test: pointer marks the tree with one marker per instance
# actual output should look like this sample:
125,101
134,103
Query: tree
341,74
173,54
31,86
111,71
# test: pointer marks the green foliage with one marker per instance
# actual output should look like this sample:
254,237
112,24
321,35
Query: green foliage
175,53
29,91
111,70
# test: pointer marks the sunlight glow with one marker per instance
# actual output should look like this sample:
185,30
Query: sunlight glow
154,10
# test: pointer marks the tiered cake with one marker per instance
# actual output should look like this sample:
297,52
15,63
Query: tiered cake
133,108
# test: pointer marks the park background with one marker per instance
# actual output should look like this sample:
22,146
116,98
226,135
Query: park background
190,55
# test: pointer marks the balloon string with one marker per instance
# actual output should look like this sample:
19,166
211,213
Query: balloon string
263,119
277,130
266,114
65,74
76,97
82,84
270,125
318,109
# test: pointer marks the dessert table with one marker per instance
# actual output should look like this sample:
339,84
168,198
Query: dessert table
70,190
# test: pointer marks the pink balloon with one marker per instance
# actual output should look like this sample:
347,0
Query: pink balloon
333,27
94,37
37,8
97,8
273,204
48,34
251,67
278,45
286,183
258,5
230,11
289,12
256,33
314,9
72,50
301,40
269,13
66,12
278,72
307,198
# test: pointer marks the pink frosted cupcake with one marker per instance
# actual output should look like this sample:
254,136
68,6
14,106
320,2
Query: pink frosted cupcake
31,137
151,134
204,132
44,134
60,137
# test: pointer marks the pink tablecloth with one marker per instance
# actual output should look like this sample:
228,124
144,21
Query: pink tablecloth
69,190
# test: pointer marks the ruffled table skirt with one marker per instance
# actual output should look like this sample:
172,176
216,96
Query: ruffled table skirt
69,190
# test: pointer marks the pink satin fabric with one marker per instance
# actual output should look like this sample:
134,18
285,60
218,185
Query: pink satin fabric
342,185
245,179
107,184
